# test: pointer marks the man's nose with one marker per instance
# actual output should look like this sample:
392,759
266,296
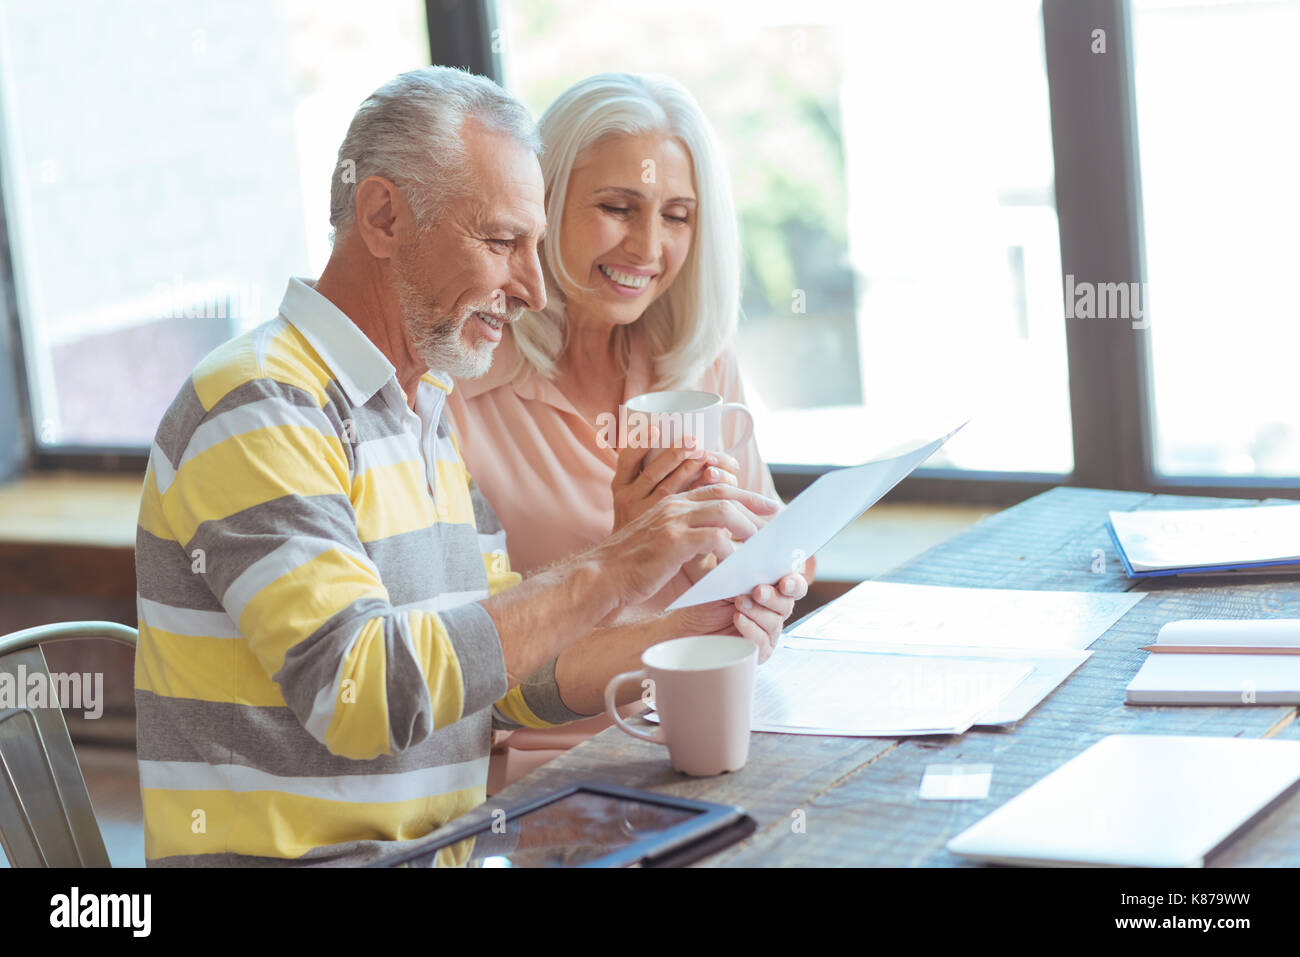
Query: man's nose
528,286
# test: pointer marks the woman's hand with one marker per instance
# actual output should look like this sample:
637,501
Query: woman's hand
722,470
758,616
637,488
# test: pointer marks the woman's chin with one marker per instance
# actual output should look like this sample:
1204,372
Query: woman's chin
606,312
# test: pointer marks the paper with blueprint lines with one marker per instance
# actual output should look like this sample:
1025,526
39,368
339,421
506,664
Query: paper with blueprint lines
812,519
800,691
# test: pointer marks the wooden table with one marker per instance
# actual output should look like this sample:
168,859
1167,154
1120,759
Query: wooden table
858,796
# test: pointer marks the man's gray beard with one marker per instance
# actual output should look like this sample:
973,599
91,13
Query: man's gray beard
440,345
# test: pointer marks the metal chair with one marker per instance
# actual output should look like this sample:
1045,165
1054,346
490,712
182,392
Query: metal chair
46,818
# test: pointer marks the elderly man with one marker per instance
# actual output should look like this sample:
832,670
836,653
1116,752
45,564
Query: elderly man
329,626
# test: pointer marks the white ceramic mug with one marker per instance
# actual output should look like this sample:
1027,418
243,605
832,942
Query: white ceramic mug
682,413
704,693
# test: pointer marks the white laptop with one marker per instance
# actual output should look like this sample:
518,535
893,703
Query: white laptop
1138,800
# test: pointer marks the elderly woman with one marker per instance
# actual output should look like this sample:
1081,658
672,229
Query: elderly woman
641,262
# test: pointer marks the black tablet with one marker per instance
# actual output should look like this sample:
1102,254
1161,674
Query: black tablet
588,825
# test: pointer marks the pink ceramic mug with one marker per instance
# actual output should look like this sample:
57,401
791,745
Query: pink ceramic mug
704,693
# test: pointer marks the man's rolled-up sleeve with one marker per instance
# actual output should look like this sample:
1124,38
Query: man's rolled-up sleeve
266,516
534,703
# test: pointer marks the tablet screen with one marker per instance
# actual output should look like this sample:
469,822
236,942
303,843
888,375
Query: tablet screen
572,831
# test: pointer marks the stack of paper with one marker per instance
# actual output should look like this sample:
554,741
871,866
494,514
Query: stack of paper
1217,678
893,659
1217,541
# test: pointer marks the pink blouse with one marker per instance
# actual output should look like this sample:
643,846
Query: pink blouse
546,470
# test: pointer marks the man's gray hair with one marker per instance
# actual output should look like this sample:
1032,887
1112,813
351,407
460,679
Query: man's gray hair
408,131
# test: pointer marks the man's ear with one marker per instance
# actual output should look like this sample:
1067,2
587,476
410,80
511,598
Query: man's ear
383,219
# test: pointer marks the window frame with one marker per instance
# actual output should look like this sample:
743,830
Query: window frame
1099,211
15,399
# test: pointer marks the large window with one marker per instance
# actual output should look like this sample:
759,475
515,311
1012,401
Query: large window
1218,96
167,167
941,204
894,187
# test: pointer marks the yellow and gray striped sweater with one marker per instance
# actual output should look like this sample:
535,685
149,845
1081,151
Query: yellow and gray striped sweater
315,680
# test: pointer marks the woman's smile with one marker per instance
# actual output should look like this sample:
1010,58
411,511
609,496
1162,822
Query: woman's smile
627,281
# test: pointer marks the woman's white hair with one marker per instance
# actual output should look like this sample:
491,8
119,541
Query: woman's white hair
690,324
409,131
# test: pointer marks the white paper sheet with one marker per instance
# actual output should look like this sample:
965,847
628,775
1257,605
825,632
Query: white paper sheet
956,782
1046,630
893,613
1050,667
811,520
801,691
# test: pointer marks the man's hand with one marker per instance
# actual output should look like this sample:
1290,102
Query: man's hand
648,551
758,616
